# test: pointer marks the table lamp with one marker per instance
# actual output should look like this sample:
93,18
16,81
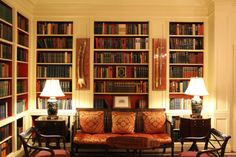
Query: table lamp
196,88
52,89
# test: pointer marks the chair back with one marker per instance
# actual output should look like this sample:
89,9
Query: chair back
217,140
28,139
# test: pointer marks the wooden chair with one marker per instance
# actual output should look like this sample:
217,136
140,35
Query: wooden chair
32,142
215,144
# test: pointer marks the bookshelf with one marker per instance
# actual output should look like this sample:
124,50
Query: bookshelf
6,74
186,54
54,59
22,62
121,52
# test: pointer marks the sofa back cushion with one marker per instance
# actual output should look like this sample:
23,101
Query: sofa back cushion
91,121
154,122
123,122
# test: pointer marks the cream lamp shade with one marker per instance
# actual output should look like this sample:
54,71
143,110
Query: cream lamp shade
196,87
52,89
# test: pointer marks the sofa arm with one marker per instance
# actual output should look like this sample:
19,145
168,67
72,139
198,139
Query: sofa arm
169,129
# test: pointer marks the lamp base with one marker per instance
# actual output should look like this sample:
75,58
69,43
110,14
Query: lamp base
196,108
52,117
52,109
195,116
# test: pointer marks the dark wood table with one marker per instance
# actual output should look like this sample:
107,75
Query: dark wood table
52,126
132,142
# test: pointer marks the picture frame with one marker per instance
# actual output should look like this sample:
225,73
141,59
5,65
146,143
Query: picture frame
121,71
121,102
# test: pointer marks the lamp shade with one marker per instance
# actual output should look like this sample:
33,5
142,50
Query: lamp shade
196,87
52,88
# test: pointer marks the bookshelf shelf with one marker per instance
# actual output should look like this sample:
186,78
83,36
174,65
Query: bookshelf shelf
54,58
121,51
186,54
6,80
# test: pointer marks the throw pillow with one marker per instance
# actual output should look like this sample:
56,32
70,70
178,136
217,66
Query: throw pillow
154,122
92,121
123,122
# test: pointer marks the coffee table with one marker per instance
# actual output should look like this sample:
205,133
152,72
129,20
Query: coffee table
132,142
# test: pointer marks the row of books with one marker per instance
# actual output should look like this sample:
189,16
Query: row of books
185,72
121,57
21,104
5,88
22,54
22,22
5,32
3,110
4,70
178,86
5,132
186,57
66,86
64,104
180,104
113,72
176,122
6,12
121,86
54,42
186,43
5,51
120,43
120,28
52,57
54,71
19,130
54,28
22,86
100,103
141,103
186,29
23,39
5,148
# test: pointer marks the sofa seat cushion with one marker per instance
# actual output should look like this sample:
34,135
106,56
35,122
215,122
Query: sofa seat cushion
84,138
193,154
162,138
139,135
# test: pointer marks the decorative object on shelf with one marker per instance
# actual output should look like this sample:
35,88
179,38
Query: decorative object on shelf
52,89
121,102
121,71
82,63
159,64
196,88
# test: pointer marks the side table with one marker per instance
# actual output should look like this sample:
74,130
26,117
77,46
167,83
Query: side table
52,126
194,127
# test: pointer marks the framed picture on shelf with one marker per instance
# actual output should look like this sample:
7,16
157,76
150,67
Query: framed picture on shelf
121,71
121,102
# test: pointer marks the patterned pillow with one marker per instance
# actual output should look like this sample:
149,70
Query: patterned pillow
123,122
92,121
154,122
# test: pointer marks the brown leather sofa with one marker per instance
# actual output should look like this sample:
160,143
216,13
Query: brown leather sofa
84,137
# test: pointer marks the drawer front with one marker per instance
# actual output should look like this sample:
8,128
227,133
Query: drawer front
51,128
